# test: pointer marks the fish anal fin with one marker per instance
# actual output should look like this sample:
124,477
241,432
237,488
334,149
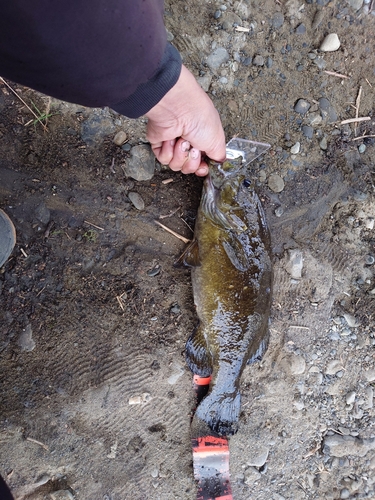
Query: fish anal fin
190,256
197,356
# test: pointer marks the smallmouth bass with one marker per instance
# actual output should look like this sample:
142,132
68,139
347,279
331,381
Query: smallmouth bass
232,287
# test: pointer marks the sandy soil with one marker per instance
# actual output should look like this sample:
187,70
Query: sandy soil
94,316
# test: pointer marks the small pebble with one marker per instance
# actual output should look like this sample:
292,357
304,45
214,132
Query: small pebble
333,367
277,20
369,260
279,211
296,148
362,148
295,263
323,144
137,200
217,57
320,62
302,106
344,493
315,119
258,60
308,131
276,183
351,320
258,456
126,147
301,29
350,398
330,43
120,138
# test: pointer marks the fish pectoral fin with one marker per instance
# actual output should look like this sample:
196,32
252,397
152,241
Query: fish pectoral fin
190,256
236,253
197,355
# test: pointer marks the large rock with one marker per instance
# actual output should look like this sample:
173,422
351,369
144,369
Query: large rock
141,164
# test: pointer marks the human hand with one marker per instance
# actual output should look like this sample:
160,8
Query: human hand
184,125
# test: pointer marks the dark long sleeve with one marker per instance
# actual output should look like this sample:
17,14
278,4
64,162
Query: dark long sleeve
95,53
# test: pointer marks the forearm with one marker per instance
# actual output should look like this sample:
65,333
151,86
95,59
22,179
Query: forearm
94,53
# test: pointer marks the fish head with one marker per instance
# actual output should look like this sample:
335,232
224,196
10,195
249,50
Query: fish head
220,202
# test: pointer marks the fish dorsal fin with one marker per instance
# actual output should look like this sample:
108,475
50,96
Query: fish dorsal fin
190,256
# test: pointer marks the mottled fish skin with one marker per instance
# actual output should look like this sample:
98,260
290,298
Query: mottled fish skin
232,286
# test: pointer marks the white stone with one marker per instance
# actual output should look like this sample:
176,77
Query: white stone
330,43
333,367
351,320
258,457
295,264
25,340
350,398
294,150
369,375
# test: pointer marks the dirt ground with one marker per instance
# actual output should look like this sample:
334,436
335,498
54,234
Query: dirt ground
94,316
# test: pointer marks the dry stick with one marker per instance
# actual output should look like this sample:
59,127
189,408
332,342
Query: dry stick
23,102
182,238
362,137
332,73
170,213
32,440
353,120
357,103
93,225
120,303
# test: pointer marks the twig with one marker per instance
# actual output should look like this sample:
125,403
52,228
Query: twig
357,103
167,181
23,102
170,214
182,238
300,327
120,303
354,120
339,75
40,291
362,137
112,166
368,82
32,440
93,225
242,29
24,253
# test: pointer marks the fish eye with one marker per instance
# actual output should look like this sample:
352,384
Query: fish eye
247,183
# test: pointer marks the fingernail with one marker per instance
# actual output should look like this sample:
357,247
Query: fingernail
202,171
194,153
185,146
173,142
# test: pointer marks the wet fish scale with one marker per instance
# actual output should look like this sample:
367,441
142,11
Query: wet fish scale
232,281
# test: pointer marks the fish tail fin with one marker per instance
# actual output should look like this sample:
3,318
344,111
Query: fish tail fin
197,355
221,412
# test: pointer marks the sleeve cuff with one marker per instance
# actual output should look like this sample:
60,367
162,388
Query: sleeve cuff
150,93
